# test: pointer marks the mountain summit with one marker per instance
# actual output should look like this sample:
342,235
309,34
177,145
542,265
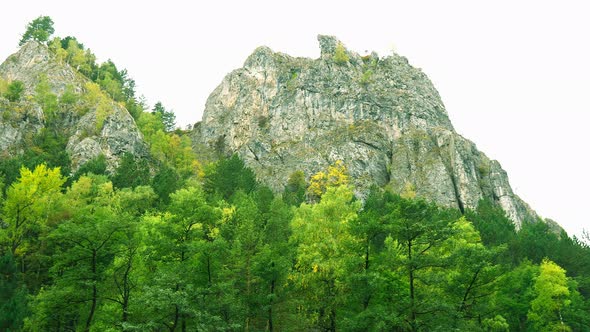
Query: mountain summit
379,115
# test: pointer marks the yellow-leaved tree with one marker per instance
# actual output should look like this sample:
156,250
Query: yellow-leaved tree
28,205
553,296
325,246
336,175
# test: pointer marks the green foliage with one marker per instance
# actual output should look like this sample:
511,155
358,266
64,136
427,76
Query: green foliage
28,202
174,151
131,172
10,170
108,78
167,118
48,147
367,77
165,182
87,241
493,225
294,193
97,166
150,124
324,242
227,254
69,96
95,97
227,176
171,149
79,58
536,241
13,295
552,298
515,293
3,86
335,175
14,91
293,83
184,249
40,29
45,98
340,55
498,323
419,231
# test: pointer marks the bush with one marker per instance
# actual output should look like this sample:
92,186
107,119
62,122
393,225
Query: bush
14,91
69,96
367,77
96,165
340,55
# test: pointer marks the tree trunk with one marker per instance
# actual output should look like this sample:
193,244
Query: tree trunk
412,294
94,293
272,292
127,288
176,313
367,296
332,320
209,269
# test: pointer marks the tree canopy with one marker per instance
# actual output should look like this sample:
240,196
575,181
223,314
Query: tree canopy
40,29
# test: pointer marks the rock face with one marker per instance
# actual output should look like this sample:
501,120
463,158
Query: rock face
382,117
91,129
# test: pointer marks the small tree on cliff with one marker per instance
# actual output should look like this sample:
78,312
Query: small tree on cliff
40,29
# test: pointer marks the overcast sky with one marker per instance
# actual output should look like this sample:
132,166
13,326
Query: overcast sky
514,75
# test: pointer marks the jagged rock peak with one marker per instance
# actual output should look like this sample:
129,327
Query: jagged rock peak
382,117
259,58
328,45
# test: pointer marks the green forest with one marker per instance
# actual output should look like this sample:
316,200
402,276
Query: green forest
186,241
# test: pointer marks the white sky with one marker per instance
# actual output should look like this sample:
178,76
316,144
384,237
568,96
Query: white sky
514,75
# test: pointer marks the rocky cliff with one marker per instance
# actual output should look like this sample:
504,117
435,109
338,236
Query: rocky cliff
92,122
379,115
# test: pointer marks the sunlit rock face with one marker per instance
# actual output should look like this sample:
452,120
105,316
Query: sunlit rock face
91,129
379,115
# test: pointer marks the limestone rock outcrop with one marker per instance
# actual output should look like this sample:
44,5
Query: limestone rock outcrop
379,115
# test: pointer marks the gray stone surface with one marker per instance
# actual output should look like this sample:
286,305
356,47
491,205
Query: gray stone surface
379,115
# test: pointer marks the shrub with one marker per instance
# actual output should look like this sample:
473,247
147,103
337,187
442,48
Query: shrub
367,77
14,91
262,122
340,55
69,96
